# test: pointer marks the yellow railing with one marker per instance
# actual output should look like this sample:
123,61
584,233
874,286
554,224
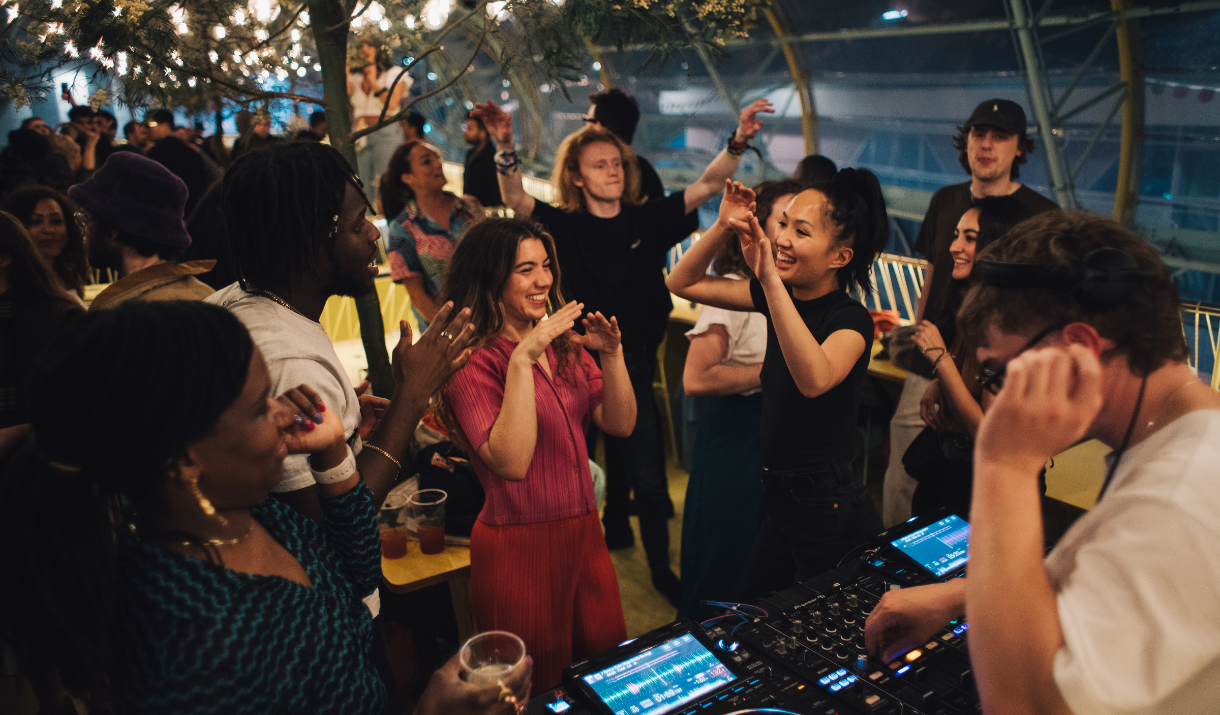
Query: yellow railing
339,318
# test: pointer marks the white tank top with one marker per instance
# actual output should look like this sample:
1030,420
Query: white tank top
368,105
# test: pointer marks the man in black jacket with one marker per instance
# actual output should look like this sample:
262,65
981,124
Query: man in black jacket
174,154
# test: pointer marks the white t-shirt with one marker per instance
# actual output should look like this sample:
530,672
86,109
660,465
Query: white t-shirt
369,105
747,334
298,350
1138,581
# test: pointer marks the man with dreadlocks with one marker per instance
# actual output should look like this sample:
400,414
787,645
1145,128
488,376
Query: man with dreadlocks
296,222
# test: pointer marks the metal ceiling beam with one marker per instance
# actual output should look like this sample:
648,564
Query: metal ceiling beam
952,28
1040,103
993,25
1131,141
800,80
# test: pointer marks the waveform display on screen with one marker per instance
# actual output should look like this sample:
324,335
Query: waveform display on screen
660,679
939,547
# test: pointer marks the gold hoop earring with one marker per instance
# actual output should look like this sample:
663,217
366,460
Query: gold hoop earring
205,505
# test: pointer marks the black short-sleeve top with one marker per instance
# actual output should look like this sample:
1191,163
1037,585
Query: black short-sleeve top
799,431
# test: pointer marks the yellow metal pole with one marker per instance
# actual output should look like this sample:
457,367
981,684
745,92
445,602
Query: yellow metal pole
800,79
1131,142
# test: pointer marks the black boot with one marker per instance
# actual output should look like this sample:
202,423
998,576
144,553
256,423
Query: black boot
654,532
618,528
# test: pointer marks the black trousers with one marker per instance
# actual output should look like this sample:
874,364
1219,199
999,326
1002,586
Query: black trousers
812,517
637,463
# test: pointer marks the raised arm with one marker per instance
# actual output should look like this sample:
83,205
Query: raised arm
420,369
815,367
616,414
500,129
689,279
509,448
725,163
953,388
1049,399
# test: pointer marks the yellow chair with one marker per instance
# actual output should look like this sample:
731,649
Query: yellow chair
660,391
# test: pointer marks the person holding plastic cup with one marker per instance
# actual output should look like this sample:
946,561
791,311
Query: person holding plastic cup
539,566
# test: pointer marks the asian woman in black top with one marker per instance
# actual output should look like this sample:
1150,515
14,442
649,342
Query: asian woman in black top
817,353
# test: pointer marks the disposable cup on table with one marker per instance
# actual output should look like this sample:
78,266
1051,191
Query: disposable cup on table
392,524
498,658
427,509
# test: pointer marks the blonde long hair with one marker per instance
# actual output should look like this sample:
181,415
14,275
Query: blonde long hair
567,168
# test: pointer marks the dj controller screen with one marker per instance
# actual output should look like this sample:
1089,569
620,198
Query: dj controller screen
939,547
660,679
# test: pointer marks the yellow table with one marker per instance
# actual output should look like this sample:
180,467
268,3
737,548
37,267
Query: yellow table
418,570
884,368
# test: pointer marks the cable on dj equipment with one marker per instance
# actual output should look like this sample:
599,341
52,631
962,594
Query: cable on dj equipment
852,551
736,606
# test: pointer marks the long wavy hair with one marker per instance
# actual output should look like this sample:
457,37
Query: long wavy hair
567,168
28,273
72,264
475,278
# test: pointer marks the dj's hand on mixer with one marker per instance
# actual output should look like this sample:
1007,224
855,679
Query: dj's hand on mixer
816,630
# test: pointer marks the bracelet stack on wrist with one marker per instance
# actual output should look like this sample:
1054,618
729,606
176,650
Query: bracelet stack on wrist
734,148
940,357
507,161
337,474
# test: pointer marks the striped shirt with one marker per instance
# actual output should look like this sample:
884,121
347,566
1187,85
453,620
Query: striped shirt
558,484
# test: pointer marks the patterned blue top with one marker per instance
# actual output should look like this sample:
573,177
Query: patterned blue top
194,637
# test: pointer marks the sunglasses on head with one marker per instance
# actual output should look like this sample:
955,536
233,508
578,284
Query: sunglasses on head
993,381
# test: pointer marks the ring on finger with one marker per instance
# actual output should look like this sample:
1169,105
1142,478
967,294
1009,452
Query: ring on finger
447,336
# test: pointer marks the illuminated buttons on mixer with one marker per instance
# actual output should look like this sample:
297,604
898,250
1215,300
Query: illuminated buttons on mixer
837,680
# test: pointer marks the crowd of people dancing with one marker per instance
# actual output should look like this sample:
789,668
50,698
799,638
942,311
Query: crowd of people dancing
189,481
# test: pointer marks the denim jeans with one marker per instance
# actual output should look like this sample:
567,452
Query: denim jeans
813,517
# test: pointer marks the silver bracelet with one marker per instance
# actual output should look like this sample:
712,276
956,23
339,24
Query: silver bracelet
337,474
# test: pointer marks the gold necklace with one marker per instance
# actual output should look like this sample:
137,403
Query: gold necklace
222,542
276,299
209,542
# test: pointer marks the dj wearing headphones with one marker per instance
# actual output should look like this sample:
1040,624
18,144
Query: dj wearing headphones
1081,338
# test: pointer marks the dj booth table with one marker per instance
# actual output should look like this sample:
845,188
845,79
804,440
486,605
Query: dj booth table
797,651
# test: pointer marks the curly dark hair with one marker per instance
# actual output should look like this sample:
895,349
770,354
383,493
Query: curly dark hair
1147,329
71,265
1025,146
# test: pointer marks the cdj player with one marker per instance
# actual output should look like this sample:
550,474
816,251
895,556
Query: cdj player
797,651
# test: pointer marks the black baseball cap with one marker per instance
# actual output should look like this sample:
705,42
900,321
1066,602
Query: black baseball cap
1002,113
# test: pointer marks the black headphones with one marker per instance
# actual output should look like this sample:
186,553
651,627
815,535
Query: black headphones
1104,279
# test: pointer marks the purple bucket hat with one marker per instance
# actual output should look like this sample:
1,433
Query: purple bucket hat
137,196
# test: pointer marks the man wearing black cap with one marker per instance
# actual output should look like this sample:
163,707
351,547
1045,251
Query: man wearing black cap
131,215
171,152
992,146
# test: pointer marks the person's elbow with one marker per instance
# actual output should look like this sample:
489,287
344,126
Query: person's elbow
621,424
621,428
813,388
696,384
676,284
513,470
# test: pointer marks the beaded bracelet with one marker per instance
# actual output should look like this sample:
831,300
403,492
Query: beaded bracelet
506,161
734,148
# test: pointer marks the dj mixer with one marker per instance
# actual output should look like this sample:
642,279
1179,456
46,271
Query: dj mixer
797,651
